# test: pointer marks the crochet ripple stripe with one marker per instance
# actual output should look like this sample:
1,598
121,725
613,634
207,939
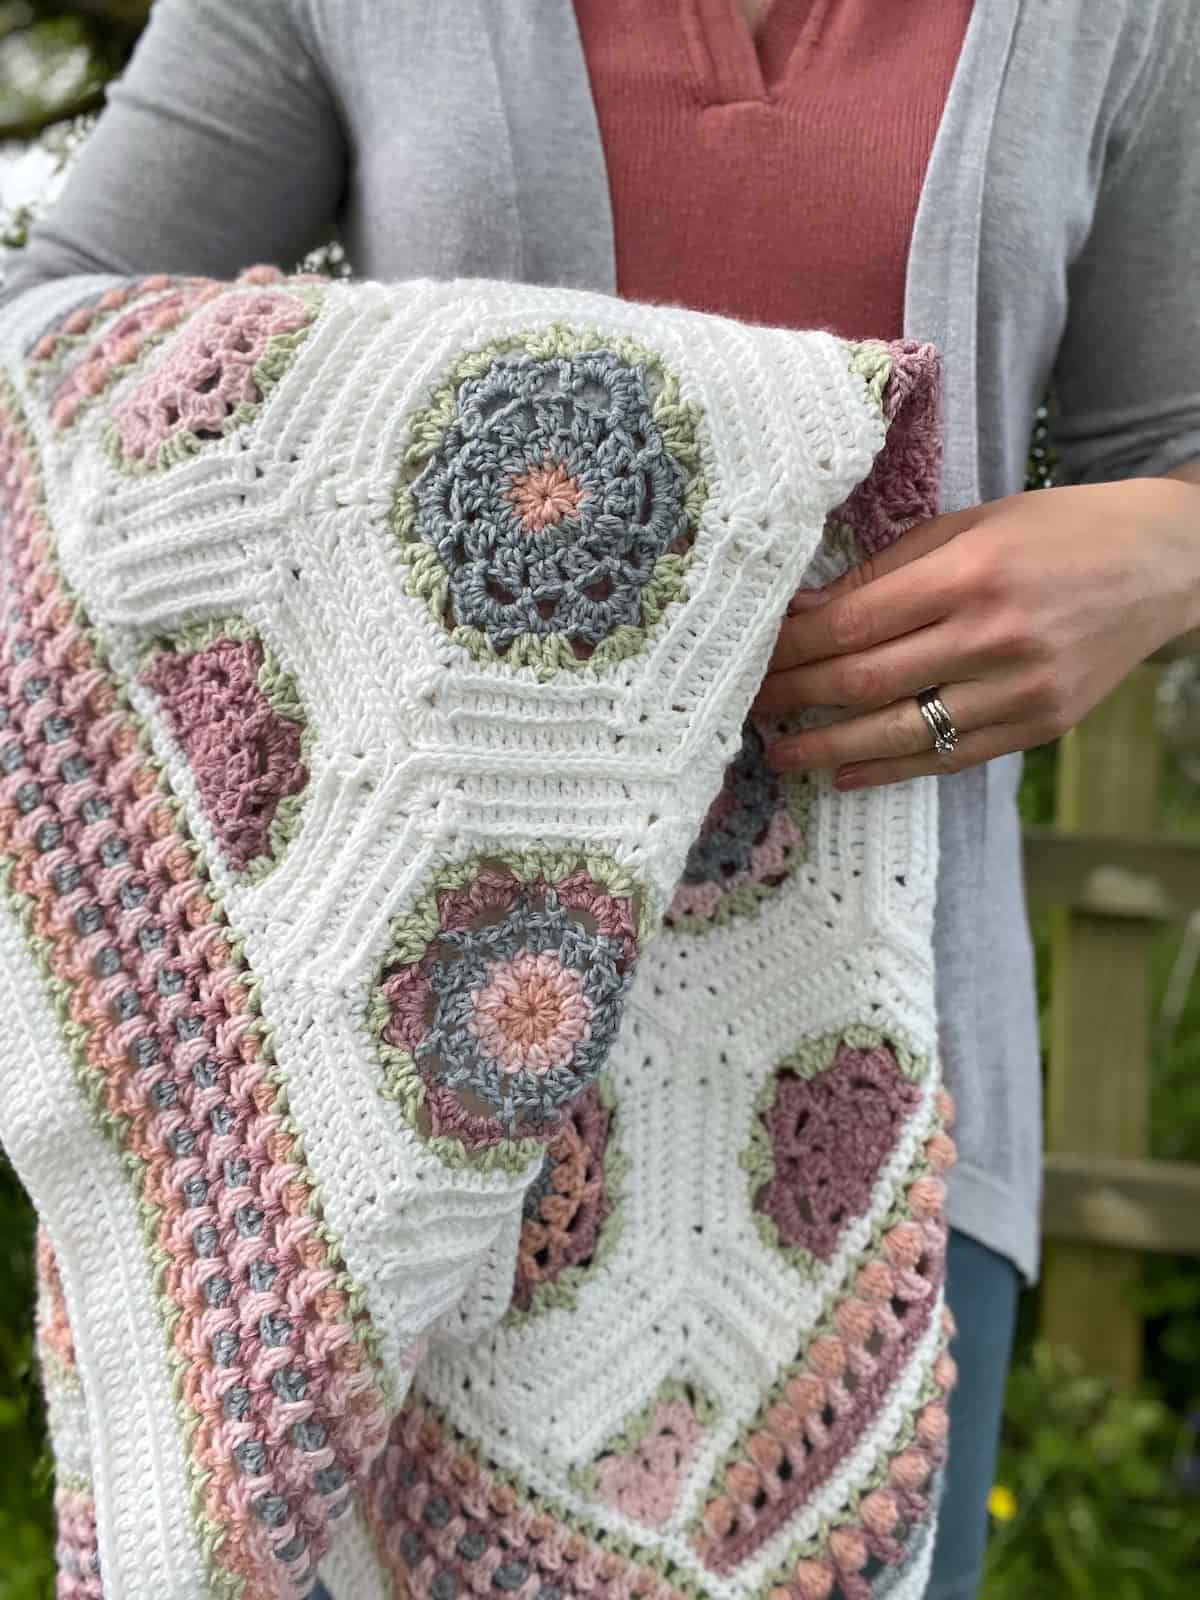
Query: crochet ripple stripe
281,1404
77,1551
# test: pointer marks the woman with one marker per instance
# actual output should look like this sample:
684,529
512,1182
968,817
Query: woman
1018,183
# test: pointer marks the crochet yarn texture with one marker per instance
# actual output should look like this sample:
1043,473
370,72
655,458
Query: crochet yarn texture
485,1125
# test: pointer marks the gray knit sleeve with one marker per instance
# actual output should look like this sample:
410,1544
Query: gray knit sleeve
221,146
1127,379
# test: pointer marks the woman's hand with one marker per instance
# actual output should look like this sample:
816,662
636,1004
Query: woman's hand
1023,613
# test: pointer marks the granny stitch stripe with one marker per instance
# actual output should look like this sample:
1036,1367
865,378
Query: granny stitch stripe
171,1054
374,673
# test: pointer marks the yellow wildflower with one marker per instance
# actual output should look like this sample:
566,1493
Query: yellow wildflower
1002,1503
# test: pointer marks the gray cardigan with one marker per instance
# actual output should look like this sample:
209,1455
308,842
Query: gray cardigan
1057,235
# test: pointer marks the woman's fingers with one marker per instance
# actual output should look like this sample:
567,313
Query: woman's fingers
984,745
897,731
869,678
905,587
855,620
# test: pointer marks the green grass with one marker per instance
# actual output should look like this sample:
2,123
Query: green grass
26,1565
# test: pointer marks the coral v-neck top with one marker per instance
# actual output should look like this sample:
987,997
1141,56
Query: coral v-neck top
772,177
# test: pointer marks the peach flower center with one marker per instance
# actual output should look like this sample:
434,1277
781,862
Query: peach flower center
533,1014
545,495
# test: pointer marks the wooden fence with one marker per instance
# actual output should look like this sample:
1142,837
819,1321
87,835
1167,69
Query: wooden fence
1111,884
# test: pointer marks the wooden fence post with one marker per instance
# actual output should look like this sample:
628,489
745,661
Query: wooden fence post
1099,1046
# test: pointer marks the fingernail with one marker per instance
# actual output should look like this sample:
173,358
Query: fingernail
850,778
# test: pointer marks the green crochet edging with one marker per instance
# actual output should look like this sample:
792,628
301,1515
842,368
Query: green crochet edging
643,1423
280,690
75,1483
873,362
563,1293
679,422
224,1584
747,899
841,539
56,1374
274,362
410,935
809,1060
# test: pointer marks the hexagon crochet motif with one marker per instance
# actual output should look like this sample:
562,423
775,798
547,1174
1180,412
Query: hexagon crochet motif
486,1126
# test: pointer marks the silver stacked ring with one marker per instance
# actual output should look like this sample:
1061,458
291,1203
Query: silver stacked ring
939,720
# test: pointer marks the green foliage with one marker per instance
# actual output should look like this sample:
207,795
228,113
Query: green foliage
1101,1495
26,1566
1170,1294
56,58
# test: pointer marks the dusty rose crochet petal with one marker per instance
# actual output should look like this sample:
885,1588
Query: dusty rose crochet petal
245,756
830,1135
904,485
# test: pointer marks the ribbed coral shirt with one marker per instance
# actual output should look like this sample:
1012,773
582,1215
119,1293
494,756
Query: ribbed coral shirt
774,177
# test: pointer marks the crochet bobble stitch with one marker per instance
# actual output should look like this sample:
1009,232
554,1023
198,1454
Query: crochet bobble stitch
527,1036
267,1340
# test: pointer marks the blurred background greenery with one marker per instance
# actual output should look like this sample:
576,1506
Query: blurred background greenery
56,59
1097,1494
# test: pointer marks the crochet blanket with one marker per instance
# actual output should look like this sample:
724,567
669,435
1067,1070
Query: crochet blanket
485,1125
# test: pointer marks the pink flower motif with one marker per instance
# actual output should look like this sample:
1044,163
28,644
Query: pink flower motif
545,495
645,1484
209,372
830,1136
121,344
533,1013
245,757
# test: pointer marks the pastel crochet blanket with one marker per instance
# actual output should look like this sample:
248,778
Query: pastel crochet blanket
485,1124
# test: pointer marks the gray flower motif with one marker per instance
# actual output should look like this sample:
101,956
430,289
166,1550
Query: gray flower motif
550,498
526,1009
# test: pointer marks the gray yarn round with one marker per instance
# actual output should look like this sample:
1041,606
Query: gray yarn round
463,1061
726,847
582,576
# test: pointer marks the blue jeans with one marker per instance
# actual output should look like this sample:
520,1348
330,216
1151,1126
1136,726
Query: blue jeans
982,1288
